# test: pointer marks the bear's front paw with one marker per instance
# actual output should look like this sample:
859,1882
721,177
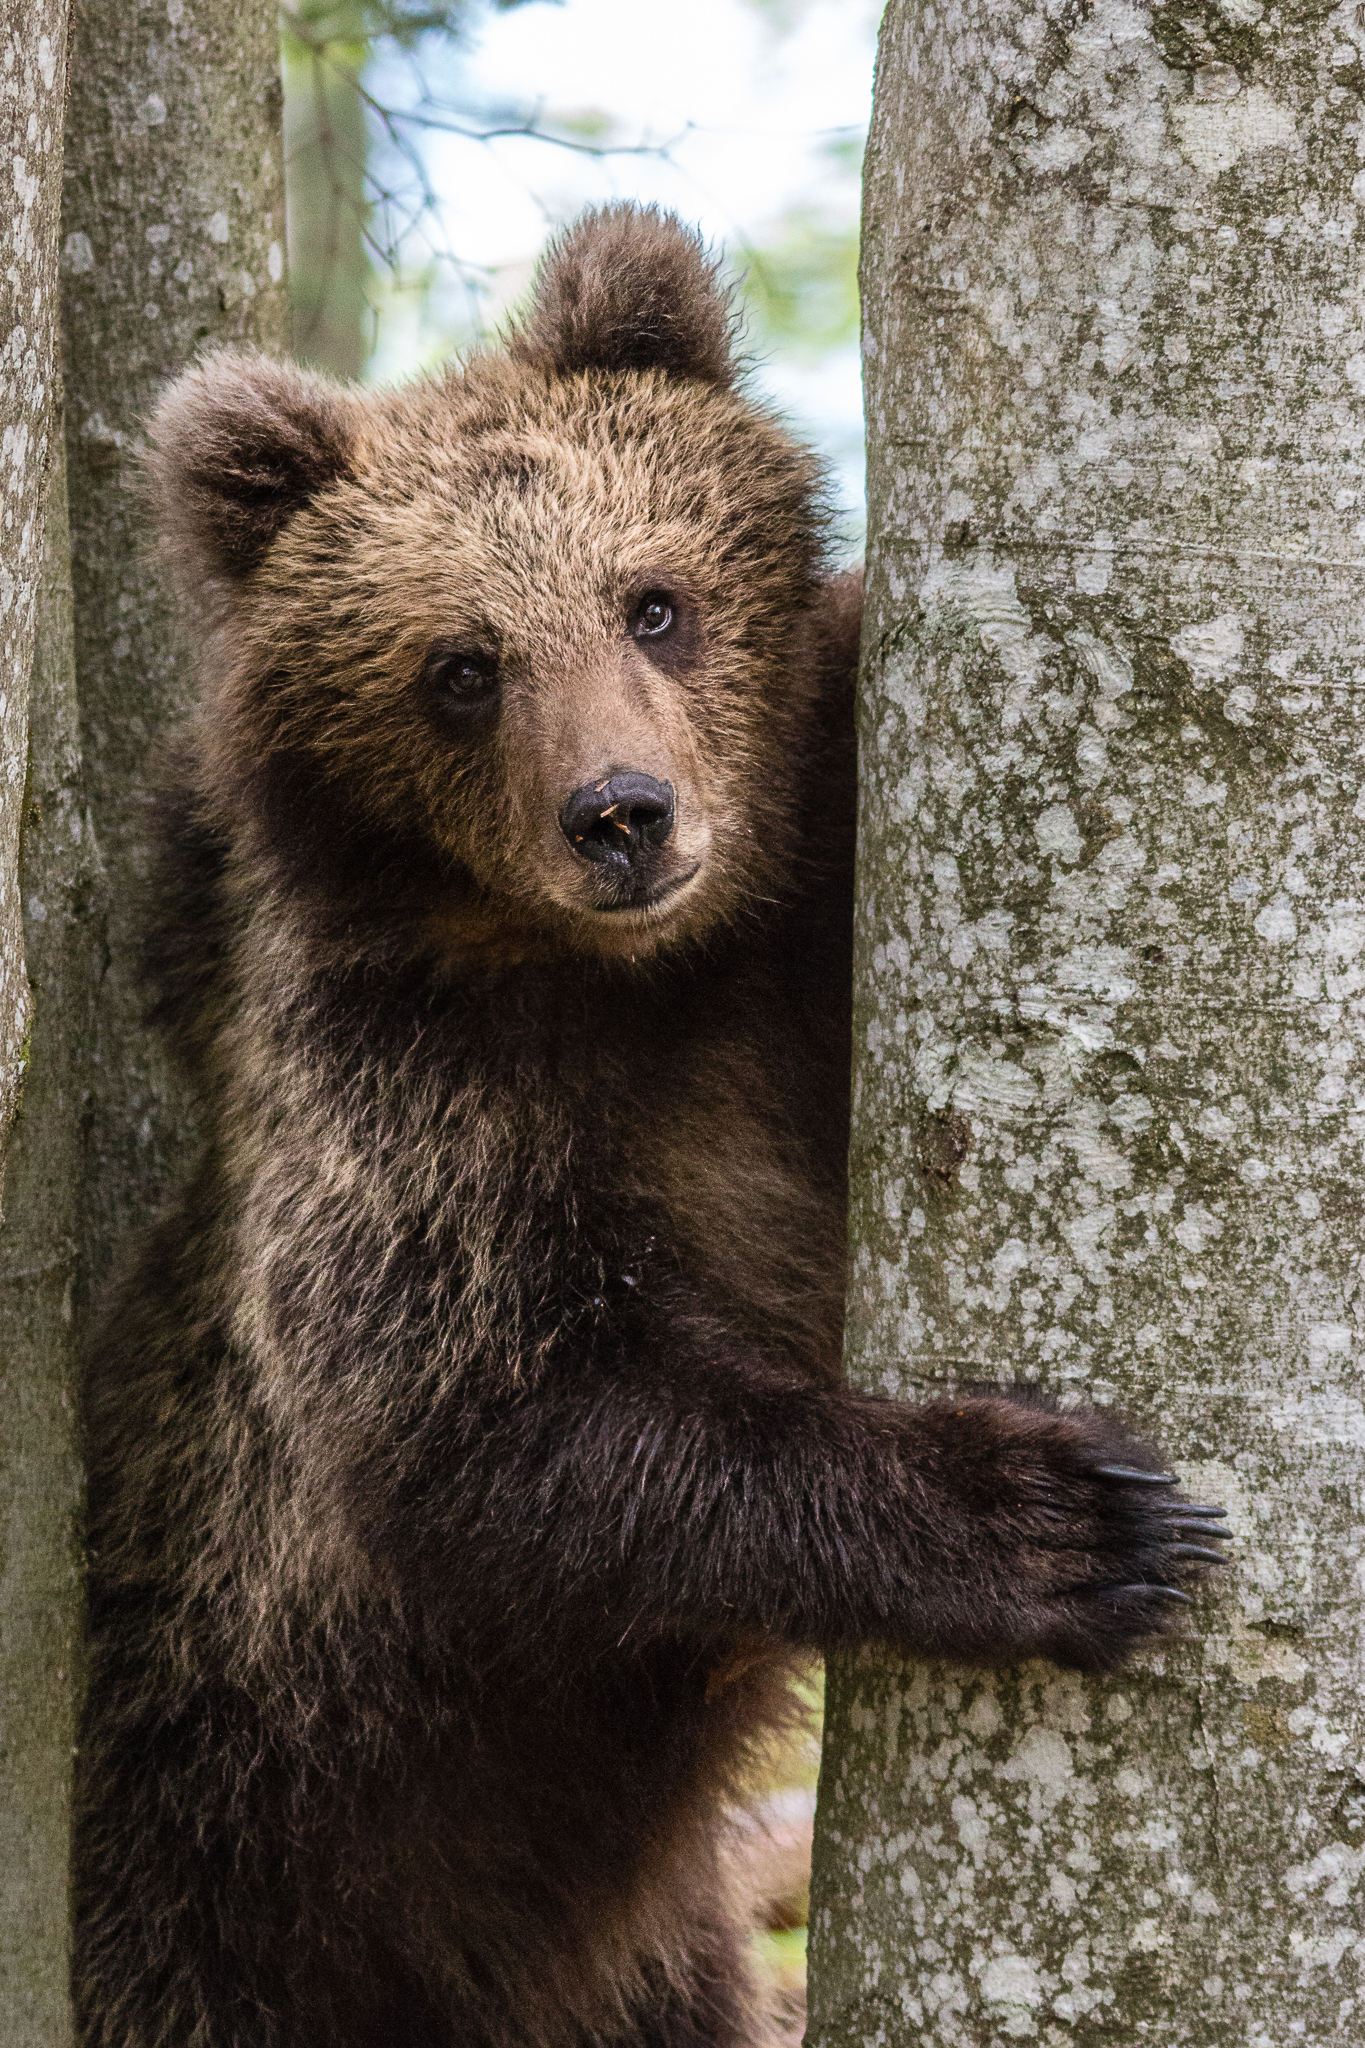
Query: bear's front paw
1091,1548
1158,1540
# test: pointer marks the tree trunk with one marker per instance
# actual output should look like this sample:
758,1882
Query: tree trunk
325,49
172,238
174,241
31,93
41,1008
43,1290
1109,1088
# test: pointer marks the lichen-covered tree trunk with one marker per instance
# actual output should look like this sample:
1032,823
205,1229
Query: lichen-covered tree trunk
1110,1067
41,1296
40,854
32,88
173,241
172,237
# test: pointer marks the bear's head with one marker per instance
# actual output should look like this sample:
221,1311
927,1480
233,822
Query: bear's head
517,659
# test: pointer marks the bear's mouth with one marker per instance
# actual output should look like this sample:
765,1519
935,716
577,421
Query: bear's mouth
645,897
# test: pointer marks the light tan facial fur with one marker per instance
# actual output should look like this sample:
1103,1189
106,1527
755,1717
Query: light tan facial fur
521,519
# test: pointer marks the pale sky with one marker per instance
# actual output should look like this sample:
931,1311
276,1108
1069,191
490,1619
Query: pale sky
744,98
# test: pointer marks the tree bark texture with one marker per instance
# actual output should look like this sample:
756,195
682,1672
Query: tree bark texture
41,1291
173,234
41,851
32,86
1110,1067
172,237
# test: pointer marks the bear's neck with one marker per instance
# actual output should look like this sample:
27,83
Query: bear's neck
688,1117
531,1024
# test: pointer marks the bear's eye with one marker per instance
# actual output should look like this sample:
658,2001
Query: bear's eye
461,678
653,615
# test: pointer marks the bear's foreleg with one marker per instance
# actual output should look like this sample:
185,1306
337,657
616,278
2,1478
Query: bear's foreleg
701,1501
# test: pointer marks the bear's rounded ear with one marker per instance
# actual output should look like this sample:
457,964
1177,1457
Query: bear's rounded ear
629,288
240,444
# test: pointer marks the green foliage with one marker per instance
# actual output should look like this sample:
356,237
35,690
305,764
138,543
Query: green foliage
359,22
779,1961
589,124
323,47
801,287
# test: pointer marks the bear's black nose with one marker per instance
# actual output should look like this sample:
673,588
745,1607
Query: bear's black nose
622,819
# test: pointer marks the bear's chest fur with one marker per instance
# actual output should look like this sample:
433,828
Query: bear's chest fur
553,1157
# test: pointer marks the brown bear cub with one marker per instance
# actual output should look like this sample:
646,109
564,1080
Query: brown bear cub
469,1451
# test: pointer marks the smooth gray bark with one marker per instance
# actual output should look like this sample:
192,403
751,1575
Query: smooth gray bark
32,84
173,241
41,1297
172,238
41,851
1110,1092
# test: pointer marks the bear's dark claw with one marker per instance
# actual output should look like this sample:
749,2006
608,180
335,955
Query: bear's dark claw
1197,1550
1194,1507
1200,1529
1137,1477
1167,1592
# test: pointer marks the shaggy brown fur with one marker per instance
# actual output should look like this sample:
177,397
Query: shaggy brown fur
469,1453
